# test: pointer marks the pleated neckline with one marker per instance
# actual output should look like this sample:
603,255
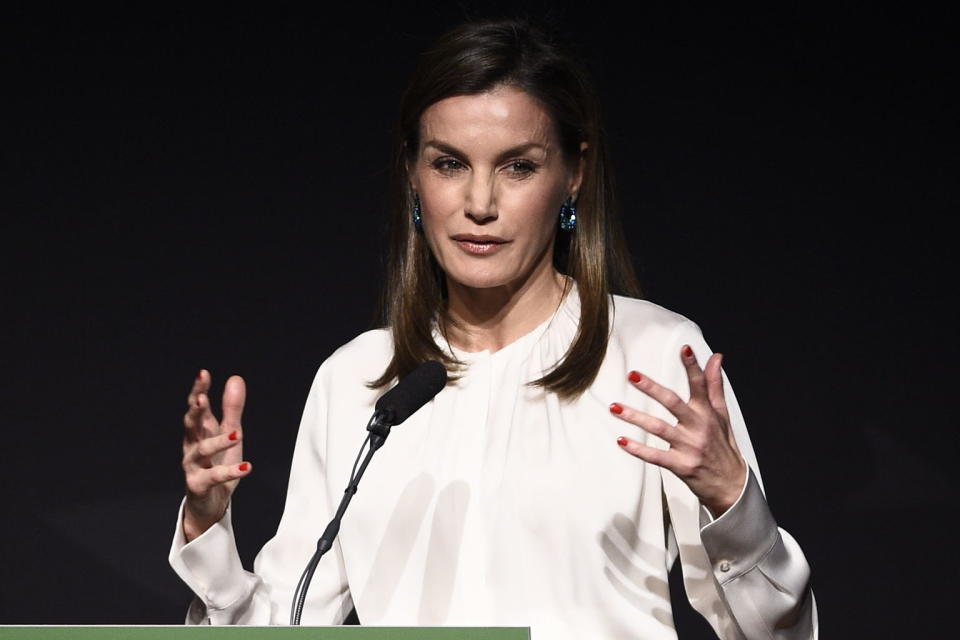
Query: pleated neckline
569,306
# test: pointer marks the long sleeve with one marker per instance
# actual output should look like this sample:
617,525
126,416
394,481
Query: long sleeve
760,567
747,576
211,566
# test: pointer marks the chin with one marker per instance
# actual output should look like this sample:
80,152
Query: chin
482,278
480,282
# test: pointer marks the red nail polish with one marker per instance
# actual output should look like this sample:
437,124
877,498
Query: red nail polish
622,441
687,351
616,408
233,435
635,377
199,374
244,466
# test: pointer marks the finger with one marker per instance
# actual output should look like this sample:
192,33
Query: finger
670,400
199,421
227,472
208,421
646,422
200,481
198,415
695,376
718,398
192,424
714,375
234,397
209,447
659,457
201,384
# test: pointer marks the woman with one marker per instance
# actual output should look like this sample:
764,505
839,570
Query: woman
580,447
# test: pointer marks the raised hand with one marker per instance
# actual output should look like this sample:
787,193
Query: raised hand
212,453
703,451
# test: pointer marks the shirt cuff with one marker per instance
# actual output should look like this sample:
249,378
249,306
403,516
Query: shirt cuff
210,564
739,539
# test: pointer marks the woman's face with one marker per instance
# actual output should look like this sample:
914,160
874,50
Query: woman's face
491,177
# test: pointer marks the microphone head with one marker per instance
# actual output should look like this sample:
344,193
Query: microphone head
415,390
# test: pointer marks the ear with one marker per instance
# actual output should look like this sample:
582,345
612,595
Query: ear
579,169
411,173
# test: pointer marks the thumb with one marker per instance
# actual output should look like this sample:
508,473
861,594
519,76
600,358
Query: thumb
234,397
714,375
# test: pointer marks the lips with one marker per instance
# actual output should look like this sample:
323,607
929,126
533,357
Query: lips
479,245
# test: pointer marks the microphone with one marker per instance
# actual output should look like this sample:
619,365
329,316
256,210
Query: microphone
415,390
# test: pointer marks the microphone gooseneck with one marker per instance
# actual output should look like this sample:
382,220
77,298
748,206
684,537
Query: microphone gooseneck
415,390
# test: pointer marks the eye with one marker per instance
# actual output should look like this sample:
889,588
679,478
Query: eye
447,165
521,168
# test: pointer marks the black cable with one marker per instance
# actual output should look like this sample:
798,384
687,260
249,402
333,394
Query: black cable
396,405
353,472
330,533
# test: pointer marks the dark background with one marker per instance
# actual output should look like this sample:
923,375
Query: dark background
187,187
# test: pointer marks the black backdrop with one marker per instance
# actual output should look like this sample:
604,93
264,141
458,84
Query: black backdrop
189,187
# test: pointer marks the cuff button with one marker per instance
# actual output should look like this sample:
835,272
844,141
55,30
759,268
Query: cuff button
724,566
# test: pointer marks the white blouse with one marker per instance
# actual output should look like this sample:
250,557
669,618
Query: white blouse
498,504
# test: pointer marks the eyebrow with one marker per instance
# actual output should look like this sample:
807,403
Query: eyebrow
512,151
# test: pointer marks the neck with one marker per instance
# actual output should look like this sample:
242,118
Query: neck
492,318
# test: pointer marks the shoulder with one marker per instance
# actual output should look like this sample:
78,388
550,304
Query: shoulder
646,335
373,343
339,398
633,317
363,358
645,331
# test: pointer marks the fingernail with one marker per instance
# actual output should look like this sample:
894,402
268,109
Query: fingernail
687,351
244,466
616,408
199,374
635,377
233,435
622,441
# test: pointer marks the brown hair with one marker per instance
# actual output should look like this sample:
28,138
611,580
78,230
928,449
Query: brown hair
471,59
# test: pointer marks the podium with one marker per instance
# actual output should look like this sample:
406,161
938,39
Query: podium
180,632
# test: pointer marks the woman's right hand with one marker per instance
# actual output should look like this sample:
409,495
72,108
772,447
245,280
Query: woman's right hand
212,453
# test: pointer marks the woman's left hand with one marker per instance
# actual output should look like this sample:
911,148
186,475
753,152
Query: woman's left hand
703,452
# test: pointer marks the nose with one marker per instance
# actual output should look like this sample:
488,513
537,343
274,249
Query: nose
481,204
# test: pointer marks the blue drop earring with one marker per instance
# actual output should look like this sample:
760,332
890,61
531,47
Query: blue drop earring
417,219
568,215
